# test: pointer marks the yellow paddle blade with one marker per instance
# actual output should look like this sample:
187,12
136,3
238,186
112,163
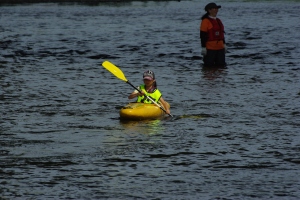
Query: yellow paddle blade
114,70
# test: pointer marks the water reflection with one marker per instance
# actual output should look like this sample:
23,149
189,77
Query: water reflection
148,127
211,73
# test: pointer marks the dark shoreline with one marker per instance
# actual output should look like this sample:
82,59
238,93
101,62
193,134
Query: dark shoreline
67,1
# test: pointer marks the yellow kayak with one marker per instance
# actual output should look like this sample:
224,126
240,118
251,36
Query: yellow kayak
141,111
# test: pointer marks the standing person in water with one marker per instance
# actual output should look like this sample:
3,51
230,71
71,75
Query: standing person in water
149,88
212,37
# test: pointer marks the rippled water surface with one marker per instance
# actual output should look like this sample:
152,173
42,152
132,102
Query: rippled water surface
235,131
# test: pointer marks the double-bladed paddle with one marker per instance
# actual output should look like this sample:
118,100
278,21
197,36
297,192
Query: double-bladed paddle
119,74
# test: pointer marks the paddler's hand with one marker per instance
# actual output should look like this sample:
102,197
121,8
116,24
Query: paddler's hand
141,94
168,111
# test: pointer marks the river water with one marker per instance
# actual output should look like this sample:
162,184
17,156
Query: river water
235,131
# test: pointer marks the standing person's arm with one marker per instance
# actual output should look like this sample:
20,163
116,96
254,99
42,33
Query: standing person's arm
203,36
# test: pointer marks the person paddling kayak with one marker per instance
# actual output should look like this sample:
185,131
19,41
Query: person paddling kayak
149,88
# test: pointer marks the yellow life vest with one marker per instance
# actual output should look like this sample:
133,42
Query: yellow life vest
155,95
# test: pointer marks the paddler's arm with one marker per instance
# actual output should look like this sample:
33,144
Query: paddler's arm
165,105
135,94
